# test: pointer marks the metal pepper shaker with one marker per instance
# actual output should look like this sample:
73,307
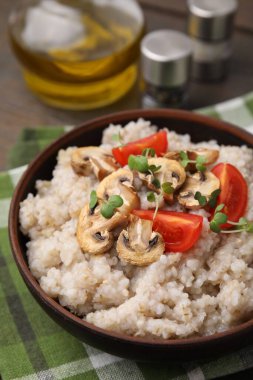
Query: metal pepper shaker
210,25
165,65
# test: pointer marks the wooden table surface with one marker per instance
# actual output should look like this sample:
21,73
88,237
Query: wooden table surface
19,109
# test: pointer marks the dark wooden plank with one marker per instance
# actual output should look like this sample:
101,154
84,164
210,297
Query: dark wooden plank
19,109
243,18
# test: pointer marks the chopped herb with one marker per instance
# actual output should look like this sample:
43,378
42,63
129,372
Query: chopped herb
151,197
168,188
200,198
108,208
148,152
93,199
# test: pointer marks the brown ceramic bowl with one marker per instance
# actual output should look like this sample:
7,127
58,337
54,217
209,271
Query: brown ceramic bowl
200,128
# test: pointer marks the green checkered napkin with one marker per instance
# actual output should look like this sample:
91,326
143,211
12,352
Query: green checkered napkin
32,346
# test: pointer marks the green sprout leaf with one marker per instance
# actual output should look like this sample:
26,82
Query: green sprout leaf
153,168
213,198
200,160
148,152
219,208
168,188
245,225
108,208
151,197
184,159
214,227
242,222
93,199
139,163
156,183
249,227
107,211
200,198
220,218
115,201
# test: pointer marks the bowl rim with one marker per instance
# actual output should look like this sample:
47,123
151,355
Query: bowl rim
13,224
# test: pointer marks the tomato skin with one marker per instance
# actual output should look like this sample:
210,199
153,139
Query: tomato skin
234,192
179,230
158,141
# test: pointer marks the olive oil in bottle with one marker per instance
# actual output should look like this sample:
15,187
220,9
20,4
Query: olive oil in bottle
78,54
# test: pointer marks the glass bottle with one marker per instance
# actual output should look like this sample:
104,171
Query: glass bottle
77,54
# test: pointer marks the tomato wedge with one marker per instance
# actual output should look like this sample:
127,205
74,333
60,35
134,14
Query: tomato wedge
158,141
179,230
234,192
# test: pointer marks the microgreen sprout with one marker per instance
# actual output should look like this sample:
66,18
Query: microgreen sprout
108,208
220,218
156,183
140,163
200,160
93,199
168,188
153,197
213,198
200,198
153,168
148,152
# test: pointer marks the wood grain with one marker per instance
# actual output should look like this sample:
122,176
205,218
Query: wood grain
19,108
243,19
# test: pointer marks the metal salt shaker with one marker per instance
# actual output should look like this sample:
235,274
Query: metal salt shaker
210,25
166,58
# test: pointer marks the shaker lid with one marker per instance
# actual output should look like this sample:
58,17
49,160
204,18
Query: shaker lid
211,19
166,56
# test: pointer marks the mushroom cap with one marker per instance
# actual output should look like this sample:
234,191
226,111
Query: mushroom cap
170,171
139,245
205,183
94,232
120,183
95,159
